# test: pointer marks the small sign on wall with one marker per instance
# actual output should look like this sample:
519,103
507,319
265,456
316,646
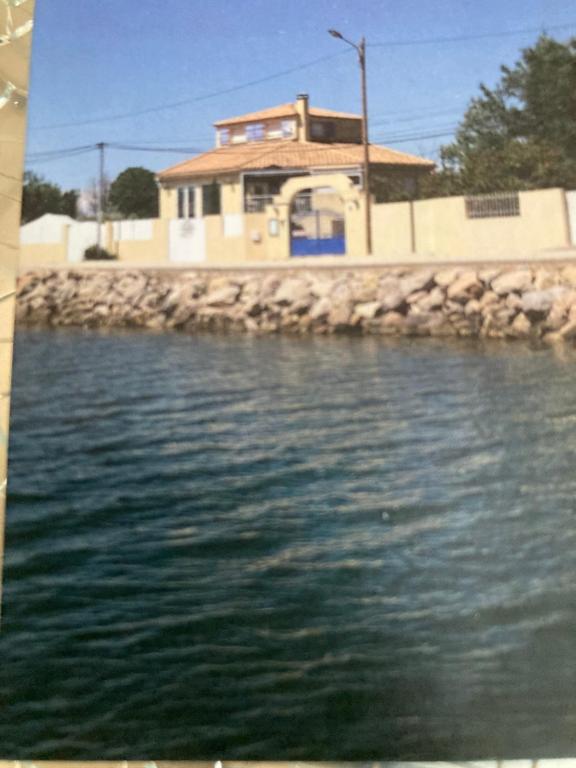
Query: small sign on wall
273,227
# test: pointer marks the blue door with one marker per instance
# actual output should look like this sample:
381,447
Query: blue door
316,232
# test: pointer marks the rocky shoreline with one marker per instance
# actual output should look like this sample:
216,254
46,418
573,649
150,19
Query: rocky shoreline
537,303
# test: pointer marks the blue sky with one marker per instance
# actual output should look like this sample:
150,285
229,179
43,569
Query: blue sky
97,59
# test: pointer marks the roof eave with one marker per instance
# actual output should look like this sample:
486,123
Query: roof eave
191,174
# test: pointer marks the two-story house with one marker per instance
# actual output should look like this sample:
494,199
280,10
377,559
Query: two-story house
260,150
257,153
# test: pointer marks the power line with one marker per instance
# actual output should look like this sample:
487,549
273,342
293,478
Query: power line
192,99
66,153
249,152
416,117
173,150
75,151
414,111
58,155
411,113
305,65
64,149
421,138
467,38
386,138
168,139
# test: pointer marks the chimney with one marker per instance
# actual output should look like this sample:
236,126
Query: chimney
303,117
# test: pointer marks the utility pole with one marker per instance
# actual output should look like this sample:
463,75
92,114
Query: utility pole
100,216
361,51
365,141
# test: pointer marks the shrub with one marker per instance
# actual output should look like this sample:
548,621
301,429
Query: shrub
94,253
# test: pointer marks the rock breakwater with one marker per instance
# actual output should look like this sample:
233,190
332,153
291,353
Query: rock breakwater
523,302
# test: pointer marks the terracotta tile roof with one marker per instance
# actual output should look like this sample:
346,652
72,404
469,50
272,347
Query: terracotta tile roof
283,110
287,154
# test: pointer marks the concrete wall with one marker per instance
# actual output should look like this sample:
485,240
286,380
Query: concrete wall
139,242
234,238
35,255
439,228
168,202
82,235
392,229
48,229
231,196
224,238
436,229
54,241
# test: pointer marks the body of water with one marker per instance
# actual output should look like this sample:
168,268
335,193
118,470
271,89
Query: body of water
324,548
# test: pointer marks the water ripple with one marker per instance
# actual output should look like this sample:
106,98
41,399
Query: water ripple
346,549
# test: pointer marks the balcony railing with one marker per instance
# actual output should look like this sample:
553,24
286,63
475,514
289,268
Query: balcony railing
257,203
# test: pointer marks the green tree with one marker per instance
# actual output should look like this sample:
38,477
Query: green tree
40,196
134,194
69,203
522,133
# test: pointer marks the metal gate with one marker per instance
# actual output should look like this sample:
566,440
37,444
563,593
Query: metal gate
317,224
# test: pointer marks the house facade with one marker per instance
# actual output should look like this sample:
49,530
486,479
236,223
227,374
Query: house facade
230,203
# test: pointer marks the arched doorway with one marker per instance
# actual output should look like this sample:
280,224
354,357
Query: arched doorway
317,223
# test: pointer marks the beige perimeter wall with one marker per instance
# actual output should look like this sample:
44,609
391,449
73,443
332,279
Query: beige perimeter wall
440,229
435,230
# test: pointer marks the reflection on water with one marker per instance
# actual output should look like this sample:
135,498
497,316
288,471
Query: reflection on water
289,548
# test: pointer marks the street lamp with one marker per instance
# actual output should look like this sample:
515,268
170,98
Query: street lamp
360,49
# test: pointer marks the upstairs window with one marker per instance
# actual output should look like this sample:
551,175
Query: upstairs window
255,132
237,136
288,129
281,129
322,130
224,136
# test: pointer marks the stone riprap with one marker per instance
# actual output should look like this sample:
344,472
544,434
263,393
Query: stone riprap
536,303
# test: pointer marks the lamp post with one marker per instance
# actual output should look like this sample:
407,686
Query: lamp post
360,49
